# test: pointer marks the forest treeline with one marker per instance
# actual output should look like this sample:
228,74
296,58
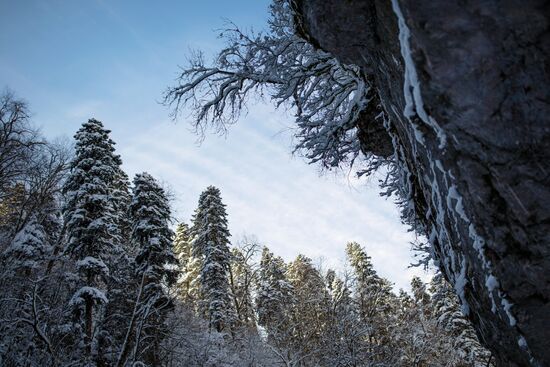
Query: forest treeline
94,274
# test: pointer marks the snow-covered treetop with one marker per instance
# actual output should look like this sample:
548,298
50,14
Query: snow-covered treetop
90,209
209,222
88,293
30,245
360,261
150,212
149,207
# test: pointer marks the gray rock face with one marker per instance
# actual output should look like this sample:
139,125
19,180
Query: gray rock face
479,157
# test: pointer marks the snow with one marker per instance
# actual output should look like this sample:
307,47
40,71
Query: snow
88,292
506,305
455,211
491,283
522,342
459,207
411,84
92,263
478,241
460,283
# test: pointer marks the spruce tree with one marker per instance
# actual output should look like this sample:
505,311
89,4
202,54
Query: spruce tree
121,282
121,199
150,213
310,311
29,248
375,300
156,266
182,244
274,299
211,243
343,343
91,221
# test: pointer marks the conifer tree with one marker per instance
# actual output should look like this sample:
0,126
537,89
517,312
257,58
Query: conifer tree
310,307
121,282
29,247
415,337
344,341
121,199
274,296
150,213
421,296
91,220
156,266
341,297
375,300
13,199
25,302
182,244
211,244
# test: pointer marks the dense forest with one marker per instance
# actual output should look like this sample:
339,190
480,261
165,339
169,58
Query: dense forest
93,274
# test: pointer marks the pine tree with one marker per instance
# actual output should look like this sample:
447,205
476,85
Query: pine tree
156,266
274,297
344,341
91,220
375,300
29,248
310,306
211,243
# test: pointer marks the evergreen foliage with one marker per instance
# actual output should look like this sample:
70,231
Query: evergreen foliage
150,213
274,296
211,243
91,222
29,247
448,316
156,266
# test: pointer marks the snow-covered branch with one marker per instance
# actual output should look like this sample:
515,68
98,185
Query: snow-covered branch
327,96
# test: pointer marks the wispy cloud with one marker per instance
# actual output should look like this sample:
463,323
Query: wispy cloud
280,199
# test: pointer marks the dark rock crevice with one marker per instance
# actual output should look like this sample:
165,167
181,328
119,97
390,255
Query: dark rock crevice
482,195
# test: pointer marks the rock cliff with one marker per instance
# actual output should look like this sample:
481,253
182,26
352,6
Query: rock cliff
465,85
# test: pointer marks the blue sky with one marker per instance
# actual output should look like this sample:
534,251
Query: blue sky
112,60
